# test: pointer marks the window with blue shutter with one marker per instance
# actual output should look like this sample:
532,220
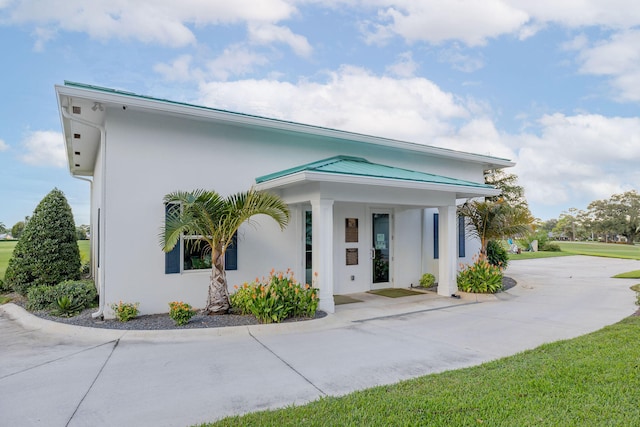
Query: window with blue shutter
171,258
461,237
231,255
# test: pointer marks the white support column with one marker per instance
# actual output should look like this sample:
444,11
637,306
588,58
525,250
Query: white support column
447,263
322,257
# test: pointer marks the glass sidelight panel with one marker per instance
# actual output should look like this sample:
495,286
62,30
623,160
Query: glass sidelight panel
381,248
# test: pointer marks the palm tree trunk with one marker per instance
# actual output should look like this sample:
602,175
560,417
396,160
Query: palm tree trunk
218,294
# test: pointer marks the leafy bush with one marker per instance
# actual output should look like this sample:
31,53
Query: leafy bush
45,297
67,307
4,286
125,311
47,252
496,254
550,247
40,297
427,280
480,277
181,312
276,298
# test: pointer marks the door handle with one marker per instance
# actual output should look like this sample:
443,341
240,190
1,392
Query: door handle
373,253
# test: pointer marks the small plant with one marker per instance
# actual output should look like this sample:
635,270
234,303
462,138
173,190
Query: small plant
276,298
496,254
480,277
181,312
67,307
427,280
125,311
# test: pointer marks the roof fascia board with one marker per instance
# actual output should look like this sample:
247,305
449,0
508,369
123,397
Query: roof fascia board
384,182
200,112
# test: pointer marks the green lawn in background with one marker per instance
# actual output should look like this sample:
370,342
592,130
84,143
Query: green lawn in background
590,380
611,250
7,246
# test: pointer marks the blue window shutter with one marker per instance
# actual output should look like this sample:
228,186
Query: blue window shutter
436,236
171,258
231,255
461,237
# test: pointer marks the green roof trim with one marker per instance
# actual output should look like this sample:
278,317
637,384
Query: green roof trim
358,166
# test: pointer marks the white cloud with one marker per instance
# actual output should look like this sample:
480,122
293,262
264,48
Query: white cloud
436,21
264,33
236,60
352,99
165,22
617,58
3,146
405,66
178,70
44,148
581,157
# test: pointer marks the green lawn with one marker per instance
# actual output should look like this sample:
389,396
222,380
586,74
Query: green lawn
635,274
611,250
590,380
6,249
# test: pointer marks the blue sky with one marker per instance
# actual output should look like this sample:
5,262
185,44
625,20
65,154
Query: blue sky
552,85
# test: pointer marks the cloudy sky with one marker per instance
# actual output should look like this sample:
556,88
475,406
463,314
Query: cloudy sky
552,85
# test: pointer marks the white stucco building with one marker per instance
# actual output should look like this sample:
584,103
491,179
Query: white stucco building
366,212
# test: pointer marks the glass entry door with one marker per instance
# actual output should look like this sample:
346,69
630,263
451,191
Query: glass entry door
381,248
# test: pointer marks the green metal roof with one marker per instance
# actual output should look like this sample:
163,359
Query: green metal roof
357,166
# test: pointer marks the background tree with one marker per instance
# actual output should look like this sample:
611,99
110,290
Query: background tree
511,192
47,252
3,228
17,229
215,219
618,215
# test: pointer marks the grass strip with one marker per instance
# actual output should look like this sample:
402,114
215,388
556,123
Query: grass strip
590,380
635,274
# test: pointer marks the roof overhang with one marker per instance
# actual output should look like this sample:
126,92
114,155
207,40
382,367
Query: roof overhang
356,171
461,191
75,93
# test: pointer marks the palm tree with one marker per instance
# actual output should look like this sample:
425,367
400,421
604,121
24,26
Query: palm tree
489,220
215,219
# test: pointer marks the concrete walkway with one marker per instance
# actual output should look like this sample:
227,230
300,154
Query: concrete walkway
56,375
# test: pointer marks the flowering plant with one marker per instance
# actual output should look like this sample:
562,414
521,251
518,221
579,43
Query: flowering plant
276,298
125,311
480,277
181,312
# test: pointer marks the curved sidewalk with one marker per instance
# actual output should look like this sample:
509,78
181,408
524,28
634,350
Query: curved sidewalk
56,376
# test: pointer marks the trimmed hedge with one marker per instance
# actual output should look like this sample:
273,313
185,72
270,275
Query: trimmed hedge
45,297
47,252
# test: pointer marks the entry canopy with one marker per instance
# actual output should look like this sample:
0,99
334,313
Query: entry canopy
357,170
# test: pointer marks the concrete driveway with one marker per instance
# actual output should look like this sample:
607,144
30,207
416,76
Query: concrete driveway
55,375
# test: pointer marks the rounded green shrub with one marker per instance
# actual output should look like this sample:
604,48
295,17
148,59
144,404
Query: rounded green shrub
496,254
427,280
47,252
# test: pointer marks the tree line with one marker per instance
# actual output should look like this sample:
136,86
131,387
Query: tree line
82,231
616,219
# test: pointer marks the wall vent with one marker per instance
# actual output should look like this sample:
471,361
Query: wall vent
77,153
76,109
76,136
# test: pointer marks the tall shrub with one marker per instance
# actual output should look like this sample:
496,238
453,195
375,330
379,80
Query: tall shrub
47,252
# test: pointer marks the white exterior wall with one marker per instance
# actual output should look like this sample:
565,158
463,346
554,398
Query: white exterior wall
150,155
